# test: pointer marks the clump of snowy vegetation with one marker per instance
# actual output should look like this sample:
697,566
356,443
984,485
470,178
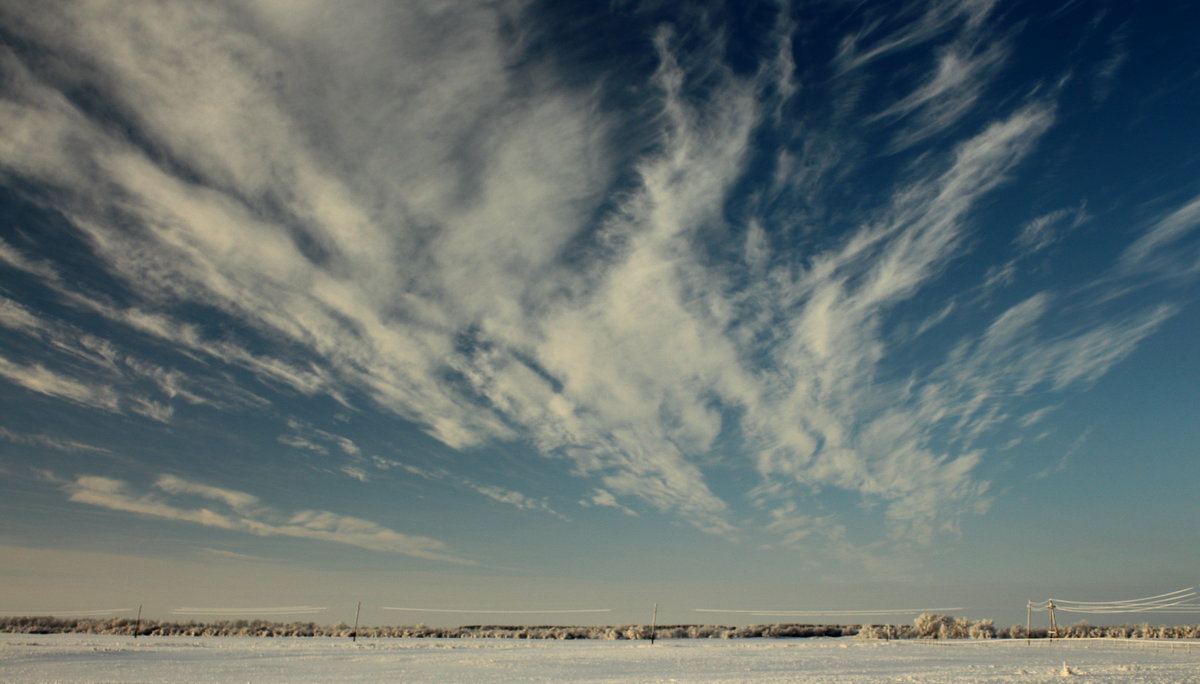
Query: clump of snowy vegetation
926,626
934,626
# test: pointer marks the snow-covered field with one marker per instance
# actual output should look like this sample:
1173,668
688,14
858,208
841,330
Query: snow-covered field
87,658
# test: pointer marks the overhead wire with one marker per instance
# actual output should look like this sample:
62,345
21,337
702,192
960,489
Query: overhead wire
277,610
1167,596
819,613
1177,601
66,613
499,612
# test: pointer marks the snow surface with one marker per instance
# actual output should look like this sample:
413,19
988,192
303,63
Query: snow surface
92,658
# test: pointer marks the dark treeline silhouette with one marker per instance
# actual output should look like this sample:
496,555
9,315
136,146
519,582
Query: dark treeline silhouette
927,626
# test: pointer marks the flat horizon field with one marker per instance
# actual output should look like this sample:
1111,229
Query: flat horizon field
103,658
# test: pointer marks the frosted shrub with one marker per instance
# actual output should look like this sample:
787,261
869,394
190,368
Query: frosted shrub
873,632
983,629
1119,631
672,633
932,625
1075,630
955,628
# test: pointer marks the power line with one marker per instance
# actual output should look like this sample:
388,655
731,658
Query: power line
1169,596
66,613
500,612
820,613
1171,602
283,610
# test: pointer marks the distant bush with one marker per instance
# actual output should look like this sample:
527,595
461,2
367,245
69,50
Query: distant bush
932,625
983,629
886,632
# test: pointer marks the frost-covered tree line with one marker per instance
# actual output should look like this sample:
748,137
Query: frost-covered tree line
934,626
926,626
263,628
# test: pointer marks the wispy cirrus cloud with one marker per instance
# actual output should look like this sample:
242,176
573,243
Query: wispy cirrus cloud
502,495
51,442
950,92
1159,250
37,378
246,513
96,372
385,210
17,259
1105,75
604,498
1047,229
301,435
911,25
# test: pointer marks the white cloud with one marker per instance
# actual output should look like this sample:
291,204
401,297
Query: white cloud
794,528
601,497
388,211
301,435
37,378
513,498
95,372
1034,417
1105,76
499,494
198,242
948,94
16,259
15,316
247,514
1159,251
917,23
235,556
151,409
236,500
52,442
1048,229
355,472
1064,460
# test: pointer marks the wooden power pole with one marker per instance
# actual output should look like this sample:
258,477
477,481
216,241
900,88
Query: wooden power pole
1053,621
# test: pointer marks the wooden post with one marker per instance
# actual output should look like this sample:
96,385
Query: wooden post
137,627
357,612
654,624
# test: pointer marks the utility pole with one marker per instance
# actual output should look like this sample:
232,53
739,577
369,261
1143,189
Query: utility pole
653,624
1053,621
137,627
357,612
1028,615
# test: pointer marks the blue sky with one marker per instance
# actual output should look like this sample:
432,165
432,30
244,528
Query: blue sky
515,306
